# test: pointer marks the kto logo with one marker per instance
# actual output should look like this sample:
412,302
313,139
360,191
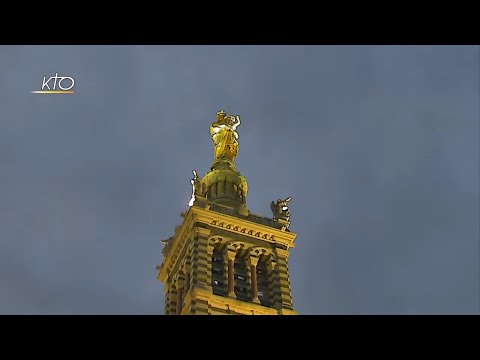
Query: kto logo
56,85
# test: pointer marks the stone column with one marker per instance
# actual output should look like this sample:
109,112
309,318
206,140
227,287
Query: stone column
179,301
274,286
231,280
172,301
186,268
283,289
202,260
187,278
180,285
253,277
166,290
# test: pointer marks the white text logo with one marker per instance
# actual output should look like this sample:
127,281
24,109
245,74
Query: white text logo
56,85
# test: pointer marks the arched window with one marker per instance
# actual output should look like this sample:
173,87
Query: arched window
241,282
219,284
263,283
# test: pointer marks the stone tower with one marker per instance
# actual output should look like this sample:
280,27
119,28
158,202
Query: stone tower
223,259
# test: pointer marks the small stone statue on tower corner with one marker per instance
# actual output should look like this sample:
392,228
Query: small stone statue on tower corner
195,187
281,212
166,245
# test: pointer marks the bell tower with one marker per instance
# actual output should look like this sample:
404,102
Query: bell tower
222,259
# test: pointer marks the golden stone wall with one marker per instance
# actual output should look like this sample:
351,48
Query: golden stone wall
187,267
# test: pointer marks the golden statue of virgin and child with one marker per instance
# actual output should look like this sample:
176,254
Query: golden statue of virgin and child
225,136
224,183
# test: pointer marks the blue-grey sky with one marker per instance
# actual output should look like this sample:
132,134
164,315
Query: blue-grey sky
377,145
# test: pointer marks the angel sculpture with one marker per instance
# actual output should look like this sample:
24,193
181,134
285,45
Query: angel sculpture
280,210
195,187
166,245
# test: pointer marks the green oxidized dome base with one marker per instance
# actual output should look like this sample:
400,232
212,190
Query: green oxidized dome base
225,185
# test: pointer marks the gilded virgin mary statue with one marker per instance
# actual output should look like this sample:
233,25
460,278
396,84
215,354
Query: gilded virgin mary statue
225,136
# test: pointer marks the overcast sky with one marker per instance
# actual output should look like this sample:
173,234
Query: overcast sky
377,145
